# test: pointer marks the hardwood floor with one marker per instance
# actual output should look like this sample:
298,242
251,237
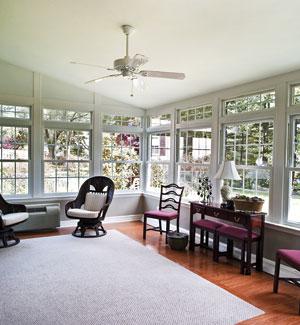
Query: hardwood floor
281,308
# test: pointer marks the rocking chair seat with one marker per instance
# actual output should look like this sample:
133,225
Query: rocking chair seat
159,214
14,218
82,213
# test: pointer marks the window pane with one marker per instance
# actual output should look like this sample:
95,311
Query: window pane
158,175
254,182
66,116
194,146
295,92
66,159
194,114
160,146
251,103
122,120
121,159
294,201
19,112
250,144
188,176
160,120
14,155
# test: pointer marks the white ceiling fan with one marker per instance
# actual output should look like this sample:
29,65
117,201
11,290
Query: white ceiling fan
130,68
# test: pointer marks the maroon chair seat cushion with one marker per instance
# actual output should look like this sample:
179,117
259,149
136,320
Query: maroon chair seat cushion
235,232
208,224
161,214
291,256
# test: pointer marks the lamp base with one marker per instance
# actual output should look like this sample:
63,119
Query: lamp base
226,193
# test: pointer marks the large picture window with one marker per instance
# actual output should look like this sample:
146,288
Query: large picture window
193,157
66,150
121,158
250,145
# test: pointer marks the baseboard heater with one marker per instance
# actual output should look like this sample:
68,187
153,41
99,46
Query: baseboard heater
41,217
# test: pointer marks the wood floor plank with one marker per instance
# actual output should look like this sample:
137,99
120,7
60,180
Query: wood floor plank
281,308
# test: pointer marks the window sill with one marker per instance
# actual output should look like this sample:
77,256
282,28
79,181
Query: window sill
283,228
64,197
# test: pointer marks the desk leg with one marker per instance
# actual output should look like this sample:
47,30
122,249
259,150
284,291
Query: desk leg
192,238
259,256
248,258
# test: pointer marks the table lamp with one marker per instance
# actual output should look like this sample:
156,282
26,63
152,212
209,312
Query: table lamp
227,170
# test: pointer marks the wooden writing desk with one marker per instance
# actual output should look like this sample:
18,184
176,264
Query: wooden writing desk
249,220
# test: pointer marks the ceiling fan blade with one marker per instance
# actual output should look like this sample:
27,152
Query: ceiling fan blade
105,77
138,60
92,65
162,74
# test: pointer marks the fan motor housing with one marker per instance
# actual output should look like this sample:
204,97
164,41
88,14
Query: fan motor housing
123,64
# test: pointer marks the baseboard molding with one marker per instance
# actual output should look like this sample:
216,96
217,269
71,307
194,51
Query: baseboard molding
108,220
268,265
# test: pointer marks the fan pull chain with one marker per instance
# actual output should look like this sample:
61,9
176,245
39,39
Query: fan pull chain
131,95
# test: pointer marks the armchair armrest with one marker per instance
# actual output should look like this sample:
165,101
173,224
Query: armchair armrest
103,211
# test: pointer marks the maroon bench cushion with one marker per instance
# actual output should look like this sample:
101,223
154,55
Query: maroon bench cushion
208,224
161,214
235,232
291,256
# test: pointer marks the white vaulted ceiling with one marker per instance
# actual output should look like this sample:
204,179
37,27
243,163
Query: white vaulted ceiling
216,43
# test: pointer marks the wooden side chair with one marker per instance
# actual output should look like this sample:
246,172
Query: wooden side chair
11,215
169,209
91,205
247,234
206,227
292,258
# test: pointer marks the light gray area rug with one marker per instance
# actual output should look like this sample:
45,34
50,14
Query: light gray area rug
109,280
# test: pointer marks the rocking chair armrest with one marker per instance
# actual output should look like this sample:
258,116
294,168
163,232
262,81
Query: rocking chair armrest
103,211
18,208
70,205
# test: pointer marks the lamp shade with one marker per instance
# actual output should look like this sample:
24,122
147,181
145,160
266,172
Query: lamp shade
227,170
